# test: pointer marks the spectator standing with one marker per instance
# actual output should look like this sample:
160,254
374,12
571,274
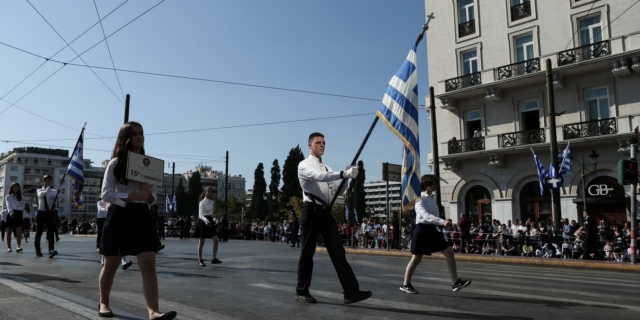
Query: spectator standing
591,231
464,226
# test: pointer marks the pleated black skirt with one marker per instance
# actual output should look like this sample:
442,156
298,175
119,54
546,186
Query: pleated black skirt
202,231
16,221
426,239
128,231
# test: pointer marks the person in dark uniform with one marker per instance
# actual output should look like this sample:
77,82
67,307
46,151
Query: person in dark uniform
154,215
295,228
47,200
74,225
181,227
187,227
247,229
591,241
224,228
395,223
161,225
319,183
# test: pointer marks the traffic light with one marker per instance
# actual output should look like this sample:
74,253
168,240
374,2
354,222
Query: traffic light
628,171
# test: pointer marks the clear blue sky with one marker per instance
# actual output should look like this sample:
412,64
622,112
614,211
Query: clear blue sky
335,46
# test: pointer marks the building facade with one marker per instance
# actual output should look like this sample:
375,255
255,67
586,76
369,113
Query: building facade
216,180
376,197
487,65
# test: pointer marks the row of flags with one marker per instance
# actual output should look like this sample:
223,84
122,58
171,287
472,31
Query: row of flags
167,205
564,163
346,213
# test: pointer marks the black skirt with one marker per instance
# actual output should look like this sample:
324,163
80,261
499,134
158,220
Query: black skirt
26,224
15,221
426,239
202,231
128,231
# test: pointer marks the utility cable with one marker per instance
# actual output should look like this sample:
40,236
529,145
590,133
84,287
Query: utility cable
108,49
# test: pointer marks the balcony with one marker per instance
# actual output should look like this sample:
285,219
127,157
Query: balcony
590,51
517,69
522,138
468,80
466,28
520,11
459,146
589,128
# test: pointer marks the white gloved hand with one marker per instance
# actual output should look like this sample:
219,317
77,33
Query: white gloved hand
351,173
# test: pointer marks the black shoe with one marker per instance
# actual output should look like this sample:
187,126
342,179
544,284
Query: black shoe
38,254
201,263
57,239
306,298
167,316
160,247
127,265
408,288
52,253
460,284
105,314
359,296
216,261
293,246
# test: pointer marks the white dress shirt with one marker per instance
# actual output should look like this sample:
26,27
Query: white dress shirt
426,210
51,197
102,209
113,192
318,179
13,203
205,208
26,214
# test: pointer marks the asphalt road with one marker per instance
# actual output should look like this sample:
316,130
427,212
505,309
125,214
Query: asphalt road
257,281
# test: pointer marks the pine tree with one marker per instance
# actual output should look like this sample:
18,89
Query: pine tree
356,192
182,198
195,189
290,183
273,189
259,208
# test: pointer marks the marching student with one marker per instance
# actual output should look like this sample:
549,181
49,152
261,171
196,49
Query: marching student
26,222
128,228
101,217
426,239
46,215
3,222
14,204
206,225
319,183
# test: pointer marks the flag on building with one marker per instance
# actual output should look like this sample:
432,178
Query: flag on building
167,205
175,204
564,160
75,171
399,111
542,172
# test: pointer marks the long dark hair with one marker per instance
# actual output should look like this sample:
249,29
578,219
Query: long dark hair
121,149
18,194
26,208
202,196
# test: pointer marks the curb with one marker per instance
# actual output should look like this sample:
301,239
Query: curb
554,262
85,235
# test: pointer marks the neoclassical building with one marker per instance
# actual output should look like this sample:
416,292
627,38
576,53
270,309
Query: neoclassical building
486,62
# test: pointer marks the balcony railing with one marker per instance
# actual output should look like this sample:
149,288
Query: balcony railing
520,11
468,80
467,28
522,138
518,69
590,128
459,146
590,51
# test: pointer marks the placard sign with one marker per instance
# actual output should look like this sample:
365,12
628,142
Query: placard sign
147,169
391,172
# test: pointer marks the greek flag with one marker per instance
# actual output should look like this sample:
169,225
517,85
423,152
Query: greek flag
175,204
542,172
564,160
167,205
75,171
355,215
399,111
346,212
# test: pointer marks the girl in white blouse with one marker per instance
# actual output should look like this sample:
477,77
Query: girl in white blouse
129,229
14,204
207,227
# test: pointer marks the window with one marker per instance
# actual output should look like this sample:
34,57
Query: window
13,179
529,115
524,47
590,30
469,62
14,168
473,123
597,102
466,11
466,18
27,170
520,9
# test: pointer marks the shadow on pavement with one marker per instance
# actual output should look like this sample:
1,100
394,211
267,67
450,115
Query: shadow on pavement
10,264
36,278
186,275
452,315
546,303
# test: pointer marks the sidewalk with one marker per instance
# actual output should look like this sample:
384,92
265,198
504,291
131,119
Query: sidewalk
553,262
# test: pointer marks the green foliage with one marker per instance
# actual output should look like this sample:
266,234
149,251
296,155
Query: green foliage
338,213
290,183
235,208
259,208
295,203
273,189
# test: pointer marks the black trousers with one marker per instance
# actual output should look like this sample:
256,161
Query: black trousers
100,223
161,231
317,221
45,218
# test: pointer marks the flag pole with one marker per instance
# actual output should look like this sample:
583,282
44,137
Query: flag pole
64,175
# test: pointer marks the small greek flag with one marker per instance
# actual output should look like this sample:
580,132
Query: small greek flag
75,171
346,212
399,111
564,160
355,215
542,172
175,204
167,205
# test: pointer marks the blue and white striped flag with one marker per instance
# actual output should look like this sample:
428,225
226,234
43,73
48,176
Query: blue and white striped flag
167,205
355,215
542,172
175,204
564,160
399,111
346,212
75,171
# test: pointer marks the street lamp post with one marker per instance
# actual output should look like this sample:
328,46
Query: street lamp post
594,161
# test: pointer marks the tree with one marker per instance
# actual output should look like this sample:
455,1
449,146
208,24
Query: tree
235,208
296,204
356,193
338,213
182,198
290,183
259,207
273,189
195,189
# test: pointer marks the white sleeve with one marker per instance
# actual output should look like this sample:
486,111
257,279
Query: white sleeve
109,193
201,213
308,173
424,216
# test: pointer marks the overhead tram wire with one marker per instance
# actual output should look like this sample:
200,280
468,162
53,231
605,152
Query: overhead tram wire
108,49
76,53
55,54
99,42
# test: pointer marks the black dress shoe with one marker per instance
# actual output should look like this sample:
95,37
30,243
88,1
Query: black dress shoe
167,316
52,253
215,261
359,296
105,314
38,254
127,265
306,298
160,247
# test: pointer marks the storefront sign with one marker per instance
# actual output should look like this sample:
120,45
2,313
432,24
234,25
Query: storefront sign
599,190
